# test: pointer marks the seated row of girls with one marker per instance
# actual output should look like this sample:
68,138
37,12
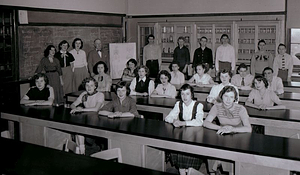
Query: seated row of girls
188,112
93,100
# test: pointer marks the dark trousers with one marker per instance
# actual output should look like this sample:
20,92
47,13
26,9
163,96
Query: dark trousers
153,68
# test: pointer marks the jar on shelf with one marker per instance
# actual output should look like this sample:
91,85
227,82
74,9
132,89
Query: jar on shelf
171,38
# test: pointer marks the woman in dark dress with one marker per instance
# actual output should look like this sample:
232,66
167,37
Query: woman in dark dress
51,66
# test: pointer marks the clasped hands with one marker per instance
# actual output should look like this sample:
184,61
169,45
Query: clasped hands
114,114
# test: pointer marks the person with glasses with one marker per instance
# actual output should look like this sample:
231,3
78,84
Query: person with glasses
242,80
275,83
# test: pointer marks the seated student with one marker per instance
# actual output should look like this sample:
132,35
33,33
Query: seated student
165,89
274,82
130,71
104,80
233,118
186,112
142,85
262,98
177,77
225,76
201,77
242,80
123,106
40,94
92,100
283,64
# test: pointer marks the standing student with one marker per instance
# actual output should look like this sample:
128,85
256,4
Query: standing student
152,56
123,106
130,71
51,66
92,101
225,55
40,94
80,69
242,80
225,77
262,98
275,83
201,77
96,55
66,60
182,55
261,59
283,64
142,85
103,79
165,88
203,54
177,77
186,112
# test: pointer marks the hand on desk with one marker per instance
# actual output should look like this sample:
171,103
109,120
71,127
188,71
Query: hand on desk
225,129
114,114
178,123
77,109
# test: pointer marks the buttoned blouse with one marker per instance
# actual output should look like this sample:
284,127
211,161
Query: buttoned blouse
169,90
204,79
177,78
91,101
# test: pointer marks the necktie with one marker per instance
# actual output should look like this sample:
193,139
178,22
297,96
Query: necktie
283,62
99,52
243,82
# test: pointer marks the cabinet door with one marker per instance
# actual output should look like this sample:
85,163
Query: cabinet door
144,30
168,41
246,43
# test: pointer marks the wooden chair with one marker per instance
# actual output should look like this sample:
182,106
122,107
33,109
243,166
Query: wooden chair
110,154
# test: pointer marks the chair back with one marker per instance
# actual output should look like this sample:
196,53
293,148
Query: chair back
114,153
70,145
5,134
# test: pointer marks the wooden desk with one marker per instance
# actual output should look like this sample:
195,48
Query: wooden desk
284,123
252,153
24,158
291,86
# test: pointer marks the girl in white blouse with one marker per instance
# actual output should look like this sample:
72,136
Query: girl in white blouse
201,77
165,89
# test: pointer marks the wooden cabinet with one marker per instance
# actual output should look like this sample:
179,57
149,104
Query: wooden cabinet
144,30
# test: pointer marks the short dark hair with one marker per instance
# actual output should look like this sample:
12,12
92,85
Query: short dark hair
174,62
88,79
132,61
122,84
260,41
77,39
205,66
224,71
242,65
224,35
63,42
144,67
225,90
95,68
48,48
281,44
150,36
203,37
186,87
267,68
166,73
181,37
41,75
260,78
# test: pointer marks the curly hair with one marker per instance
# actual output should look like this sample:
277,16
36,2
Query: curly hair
41,75
74,41
166,73
47,50
186,87
144,67
95,68
88,79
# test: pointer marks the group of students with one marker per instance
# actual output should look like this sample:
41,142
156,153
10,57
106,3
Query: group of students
66,70
232,117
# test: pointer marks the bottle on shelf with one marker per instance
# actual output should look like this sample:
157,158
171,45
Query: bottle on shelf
171,38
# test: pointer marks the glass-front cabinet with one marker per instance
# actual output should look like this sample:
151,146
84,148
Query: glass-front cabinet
8,68
248,36
144,30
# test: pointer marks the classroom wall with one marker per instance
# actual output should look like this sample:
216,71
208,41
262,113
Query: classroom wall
106,6
138,7
293,14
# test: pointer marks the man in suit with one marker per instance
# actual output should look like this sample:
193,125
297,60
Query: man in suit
96,55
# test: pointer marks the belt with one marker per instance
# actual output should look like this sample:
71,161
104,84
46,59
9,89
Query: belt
152,60
50,71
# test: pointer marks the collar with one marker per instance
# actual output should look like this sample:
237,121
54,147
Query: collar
144,79
63,51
